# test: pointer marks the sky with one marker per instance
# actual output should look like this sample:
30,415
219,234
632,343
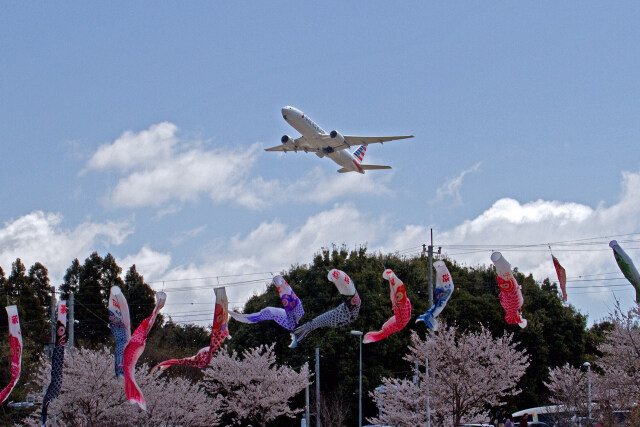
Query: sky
138,129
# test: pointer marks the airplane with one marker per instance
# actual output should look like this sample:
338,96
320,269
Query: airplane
333,145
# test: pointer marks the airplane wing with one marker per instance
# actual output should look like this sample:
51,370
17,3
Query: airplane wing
359,140
326,141
351,140
300,144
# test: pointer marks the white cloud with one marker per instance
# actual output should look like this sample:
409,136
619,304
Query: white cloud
273,246
509,222
136,150
39,237
148,262
181,237
184,177
451,187
157,169
268,249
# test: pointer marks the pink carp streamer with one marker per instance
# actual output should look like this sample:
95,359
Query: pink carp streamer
15,342
134,350
562,277
401,309
219,332
510,291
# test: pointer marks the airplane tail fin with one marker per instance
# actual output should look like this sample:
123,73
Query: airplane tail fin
360,152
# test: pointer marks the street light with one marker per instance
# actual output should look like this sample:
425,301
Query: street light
587,366
359,333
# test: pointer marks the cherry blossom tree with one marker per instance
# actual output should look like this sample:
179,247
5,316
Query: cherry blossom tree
621,352
254,387
615,379
568,387
400,403
468,372
91,395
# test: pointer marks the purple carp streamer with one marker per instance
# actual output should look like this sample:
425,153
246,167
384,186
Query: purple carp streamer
120,326
626,266
134,350
510,291
219,332
401,309
444,290
57,360
342,315
15,342
287,317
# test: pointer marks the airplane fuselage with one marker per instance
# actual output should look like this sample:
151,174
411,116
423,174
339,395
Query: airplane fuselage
315,136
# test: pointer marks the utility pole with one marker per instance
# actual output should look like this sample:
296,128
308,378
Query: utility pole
71,322
428,403
430,254
318,424
307,416
54,319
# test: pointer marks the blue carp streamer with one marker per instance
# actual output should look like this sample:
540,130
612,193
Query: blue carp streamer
57,361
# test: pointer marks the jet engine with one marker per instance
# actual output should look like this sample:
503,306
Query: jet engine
337,135
286,138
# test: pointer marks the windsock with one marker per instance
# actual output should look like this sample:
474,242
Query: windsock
134,350
444,289
57,361
288,316
219,332
401,309
120,326
15,343
510,291
626,266
342,315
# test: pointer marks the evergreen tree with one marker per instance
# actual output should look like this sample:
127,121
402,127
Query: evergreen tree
110,276
30,309
71,280
556,333
140,297
91,308
4,300
39,282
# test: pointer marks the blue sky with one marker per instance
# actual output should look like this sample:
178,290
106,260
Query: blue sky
139,128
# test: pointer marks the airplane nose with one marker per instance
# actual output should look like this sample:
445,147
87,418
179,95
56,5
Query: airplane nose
286,111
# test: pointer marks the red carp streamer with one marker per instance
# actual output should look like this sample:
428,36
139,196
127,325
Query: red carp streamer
510,291
15,342
562,277
134,350
219,332
401,309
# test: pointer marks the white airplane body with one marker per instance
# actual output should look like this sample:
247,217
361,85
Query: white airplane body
333,145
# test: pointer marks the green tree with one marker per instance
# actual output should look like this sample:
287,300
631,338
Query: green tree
71,280
39,282
30,309
91,308
140,297
556,333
